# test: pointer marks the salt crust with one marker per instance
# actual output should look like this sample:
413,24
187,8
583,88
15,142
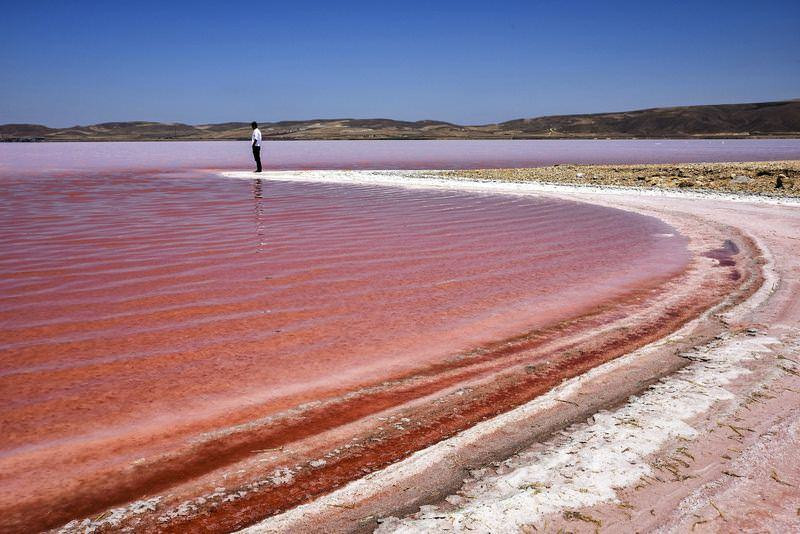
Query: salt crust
416,179
585,465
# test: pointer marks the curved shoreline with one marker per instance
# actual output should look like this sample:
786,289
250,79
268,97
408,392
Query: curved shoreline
474,395
357,506
717,470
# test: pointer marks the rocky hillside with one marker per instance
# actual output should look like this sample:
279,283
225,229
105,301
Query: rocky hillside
767,119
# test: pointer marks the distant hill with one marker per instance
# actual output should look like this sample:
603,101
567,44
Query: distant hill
765,119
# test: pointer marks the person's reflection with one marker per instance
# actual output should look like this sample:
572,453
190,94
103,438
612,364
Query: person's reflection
259,207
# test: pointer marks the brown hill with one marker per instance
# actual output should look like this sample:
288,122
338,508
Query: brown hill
766,119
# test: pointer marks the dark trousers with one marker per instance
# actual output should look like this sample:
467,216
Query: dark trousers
257,157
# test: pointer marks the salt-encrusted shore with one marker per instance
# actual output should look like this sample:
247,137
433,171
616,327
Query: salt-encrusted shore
709,447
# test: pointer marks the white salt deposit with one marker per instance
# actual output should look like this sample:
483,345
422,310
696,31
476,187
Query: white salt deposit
433,180
584,468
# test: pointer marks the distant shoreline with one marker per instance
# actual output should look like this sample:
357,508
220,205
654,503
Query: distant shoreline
763,120
168,140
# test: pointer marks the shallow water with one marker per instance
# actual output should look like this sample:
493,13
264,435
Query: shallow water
141,310
263,288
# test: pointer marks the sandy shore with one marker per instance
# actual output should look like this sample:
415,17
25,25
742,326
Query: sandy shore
668,410
695,431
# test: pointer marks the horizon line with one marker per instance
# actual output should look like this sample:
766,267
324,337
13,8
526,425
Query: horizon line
341,118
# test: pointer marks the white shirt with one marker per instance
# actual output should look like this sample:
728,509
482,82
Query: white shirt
256,137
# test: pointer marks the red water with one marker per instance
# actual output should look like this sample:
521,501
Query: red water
139,311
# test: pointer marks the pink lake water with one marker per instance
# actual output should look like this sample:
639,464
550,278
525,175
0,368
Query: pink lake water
141,309
55,156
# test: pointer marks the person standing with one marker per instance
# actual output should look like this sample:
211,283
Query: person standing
256,141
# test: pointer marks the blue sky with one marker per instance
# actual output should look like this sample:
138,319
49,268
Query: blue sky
66,63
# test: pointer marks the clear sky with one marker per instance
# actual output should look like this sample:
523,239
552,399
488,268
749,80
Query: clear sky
64,63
